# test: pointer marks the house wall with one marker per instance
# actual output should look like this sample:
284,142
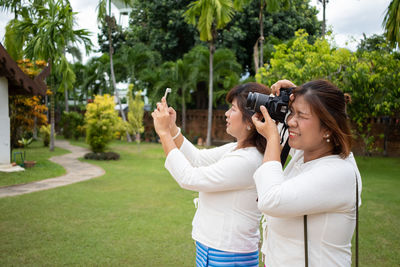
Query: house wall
4,123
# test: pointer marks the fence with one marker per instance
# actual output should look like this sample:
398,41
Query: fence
385,130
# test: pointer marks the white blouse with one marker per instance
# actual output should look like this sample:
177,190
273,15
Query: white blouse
227,217
323,189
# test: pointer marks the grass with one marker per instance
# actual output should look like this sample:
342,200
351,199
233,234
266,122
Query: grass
380,211
43,169
136,215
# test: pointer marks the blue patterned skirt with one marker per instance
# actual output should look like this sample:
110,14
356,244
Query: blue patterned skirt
206,256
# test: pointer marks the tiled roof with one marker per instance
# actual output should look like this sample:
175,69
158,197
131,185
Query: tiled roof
20,83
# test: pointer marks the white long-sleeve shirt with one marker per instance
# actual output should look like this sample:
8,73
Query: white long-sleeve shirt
323,189
227,217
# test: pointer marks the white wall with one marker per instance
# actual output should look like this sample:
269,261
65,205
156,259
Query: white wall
4,123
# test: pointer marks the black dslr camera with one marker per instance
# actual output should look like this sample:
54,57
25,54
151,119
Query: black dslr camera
277,106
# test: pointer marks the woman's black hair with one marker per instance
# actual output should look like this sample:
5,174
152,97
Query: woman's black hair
240,93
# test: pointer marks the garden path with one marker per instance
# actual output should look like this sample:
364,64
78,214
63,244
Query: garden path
77,171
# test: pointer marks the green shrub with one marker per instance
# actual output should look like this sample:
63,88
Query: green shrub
72,123
101,120
45,134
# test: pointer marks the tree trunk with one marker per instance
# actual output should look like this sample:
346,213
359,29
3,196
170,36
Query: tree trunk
323,18
66,99
210,94
46,102
128,137
75,107
52,130
261,39
35,135
183,111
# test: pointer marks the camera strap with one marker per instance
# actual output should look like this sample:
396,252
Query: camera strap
285,152
286,147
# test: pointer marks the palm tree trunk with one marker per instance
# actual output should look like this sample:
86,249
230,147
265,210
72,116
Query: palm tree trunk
210,95
261,39
75,107
52,131
183,111
128,137
46,103
323,18
66,100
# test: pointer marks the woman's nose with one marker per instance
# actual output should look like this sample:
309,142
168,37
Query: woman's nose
291,121
227,113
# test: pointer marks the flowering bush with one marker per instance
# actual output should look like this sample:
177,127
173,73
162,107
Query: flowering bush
101,120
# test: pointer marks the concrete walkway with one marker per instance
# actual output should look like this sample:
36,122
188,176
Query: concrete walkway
77,171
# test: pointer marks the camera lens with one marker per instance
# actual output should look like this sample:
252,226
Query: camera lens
255,100
251,100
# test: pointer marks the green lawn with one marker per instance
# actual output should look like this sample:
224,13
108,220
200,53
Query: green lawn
42,170
136,215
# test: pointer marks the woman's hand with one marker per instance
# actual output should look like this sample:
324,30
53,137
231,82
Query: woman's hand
172,125
269,130
161,118
276,87
266,128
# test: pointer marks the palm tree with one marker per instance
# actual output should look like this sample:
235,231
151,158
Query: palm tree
391,23
131,61
226,69
95,82
181,77
111,25
76,55
270,6
209,16
48,29
324,2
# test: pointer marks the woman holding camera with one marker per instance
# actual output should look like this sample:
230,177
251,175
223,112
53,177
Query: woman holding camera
320,181
226,223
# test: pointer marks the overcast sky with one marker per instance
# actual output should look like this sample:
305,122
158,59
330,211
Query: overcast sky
348,19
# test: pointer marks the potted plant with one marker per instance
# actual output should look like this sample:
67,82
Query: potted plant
25,143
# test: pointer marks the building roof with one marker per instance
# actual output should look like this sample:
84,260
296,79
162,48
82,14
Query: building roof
20,83
125,107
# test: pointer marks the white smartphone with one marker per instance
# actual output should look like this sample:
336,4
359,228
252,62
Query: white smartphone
168,90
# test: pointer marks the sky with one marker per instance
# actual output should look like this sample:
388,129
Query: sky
348,19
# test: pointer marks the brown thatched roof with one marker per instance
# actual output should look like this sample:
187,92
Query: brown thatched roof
20,83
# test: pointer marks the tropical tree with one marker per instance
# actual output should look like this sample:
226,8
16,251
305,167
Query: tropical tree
131,61
226,71
209,16
374,43
48,30
178,75
27,112
136,112
371,77
14,6
161,27
391,23
76,56
324,3
13,45
271,6
90,78
107,19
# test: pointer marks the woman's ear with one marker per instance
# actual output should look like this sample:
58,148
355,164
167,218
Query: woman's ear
327,133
